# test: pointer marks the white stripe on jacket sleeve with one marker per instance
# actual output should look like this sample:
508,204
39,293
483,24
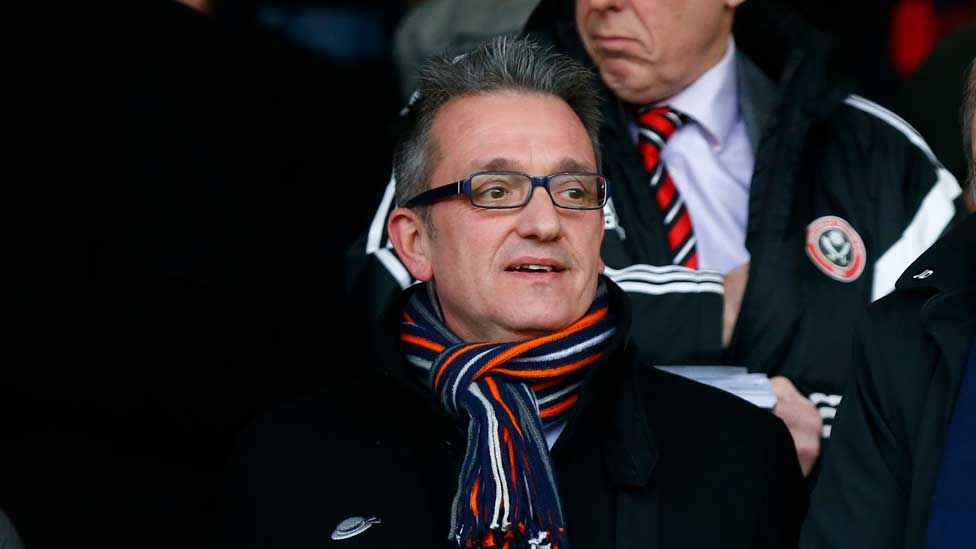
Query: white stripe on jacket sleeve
936,211
933,215
667,279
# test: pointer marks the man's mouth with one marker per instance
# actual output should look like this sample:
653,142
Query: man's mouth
534,268
611,44
611,38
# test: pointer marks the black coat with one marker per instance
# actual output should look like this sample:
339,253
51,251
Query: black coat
910,351
647,459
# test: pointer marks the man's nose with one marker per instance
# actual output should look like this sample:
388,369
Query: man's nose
602,5
540,218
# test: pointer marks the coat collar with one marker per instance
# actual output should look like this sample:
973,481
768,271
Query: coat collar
947,266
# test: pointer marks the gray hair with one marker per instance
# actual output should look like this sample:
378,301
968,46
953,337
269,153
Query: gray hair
968,111
502,64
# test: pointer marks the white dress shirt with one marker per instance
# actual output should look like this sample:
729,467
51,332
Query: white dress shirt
711,161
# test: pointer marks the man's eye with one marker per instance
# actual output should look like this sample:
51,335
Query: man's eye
575,193
494,193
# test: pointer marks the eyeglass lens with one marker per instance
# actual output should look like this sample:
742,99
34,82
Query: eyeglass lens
500,190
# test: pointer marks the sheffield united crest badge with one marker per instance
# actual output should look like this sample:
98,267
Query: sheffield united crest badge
836,248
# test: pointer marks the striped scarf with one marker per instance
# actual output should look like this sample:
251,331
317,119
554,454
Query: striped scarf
510,392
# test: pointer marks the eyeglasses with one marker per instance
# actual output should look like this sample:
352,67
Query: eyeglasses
509,190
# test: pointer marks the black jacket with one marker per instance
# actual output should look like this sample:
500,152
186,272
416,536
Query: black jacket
647,459
819,151
909,355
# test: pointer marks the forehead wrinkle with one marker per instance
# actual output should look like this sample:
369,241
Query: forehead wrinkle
498,164
566,164
573,165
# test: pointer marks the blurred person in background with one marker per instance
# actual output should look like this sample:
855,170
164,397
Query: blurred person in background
449,27
931,96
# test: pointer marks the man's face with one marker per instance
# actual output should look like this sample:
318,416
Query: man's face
478,257
649,50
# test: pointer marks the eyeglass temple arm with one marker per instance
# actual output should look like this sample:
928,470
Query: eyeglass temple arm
435,194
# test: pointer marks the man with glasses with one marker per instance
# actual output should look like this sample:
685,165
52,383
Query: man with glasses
503,404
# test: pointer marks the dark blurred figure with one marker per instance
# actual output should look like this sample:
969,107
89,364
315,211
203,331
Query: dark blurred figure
911,57
889,39
918,26
172,269
865,26
930,99
451,27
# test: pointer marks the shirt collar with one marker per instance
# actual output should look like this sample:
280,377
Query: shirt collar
712,100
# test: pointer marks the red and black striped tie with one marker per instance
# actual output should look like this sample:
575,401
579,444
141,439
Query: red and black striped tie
655,126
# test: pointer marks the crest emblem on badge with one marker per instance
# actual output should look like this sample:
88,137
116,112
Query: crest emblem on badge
836,248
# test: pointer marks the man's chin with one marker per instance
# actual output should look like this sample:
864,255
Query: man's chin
539,323
620,73
621,76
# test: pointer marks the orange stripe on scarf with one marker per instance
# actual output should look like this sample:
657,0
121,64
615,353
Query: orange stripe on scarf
419,341
558,408
580,324
551,372
450,359
493,387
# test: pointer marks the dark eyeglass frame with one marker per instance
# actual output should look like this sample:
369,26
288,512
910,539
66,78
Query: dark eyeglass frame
463,186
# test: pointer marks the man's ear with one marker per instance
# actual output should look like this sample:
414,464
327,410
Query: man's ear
410,239
734,3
